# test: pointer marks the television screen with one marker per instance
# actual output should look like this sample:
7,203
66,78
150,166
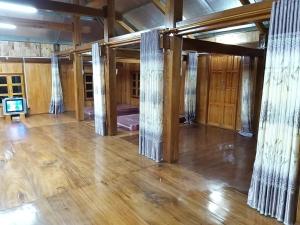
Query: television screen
14,106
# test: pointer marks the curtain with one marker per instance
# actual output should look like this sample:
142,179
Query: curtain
57,101
99,90
274,185
151,96
190,89
247,96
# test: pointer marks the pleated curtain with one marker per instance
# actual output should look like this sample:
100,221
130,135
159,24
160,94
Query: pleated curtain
190,88
274,185
151,96
247,96
57,102
99,90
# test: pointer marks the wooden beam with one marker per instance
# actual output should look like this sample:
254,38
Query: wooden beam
159,5
67,27
172,71
232,17
260,26
213,47
109,20
123,53
61,7
173,13
125,25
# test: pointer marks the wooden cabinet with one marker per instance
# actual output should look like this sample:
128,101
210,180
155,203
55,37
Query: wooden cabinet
225,72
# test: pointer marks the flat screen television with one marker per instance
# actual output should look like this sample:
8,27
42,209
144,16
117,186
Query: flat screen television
13,106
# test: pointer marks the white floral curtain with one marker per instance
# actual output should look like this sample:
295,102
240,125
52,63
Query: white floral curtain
274,185
151,96
99,90
57,102
247,96
190,89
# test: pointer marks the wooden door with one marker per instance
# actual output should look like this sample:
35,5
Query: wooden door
223,91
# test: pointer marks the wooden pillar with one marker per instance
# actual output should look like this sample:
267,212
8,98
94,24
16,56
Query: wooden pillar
110,69
173,12
77,69
110,91
172,70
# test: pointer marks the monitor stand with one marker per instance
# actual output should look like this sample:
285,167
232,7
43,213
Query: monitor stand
8,118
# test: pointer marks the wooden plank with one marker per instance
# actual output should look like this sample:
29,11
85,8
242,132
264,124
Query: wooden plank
227,18
61,7
260,26
213,47
127,53
172,71
173,13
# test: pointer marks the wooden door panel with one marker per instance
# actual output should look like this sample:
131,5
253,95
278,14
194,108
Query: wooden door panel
223,92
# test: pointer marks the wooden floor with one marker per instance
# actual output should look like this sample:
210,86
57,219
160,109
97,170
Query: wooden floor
54,170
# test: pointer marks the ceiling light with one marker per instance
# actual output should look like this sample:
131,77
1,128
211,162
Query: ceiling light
17,7
7,26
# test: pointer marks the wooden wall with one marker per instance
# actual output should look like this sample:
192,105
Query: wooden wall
38,83
38,86
124,83
67,82
219,91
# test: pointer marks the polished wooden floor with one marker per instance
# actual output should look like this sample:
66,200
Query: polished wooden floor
54,170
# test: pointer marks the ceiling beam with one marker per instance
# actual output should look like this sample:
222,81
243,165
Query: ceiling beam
228,18
67,27
126,26
159,5
61,7
260,26
219,48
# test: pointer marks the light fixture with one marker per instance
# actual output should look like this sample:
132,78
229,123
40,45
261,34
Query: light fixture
17,7
7,26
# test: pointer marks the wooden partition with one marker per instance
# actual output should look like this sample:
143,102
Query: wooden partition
67,82
38,86
126,79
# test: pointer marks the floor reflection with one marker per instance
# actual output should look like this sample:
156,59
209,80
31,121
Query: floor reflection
24,215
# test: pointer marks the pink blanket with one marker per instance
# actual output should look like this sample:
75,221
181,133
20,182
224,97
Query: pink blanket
129,122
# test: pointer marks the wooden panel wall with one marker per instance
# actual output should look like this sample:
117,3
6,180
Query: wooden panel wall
11,67
124,83
67,82
38,83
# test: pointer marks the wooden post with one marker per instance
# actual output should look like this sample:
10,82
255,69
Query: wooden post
110,70
173,12
110,91
77,69
172,70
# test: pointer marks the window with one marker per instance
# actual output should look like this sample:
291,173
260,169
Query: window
88,86
135,84
11,86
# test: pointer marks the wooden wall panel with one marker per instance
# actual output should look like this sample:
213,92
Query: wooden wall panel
11,67
38,83
202,88
124,83
219,91
67,82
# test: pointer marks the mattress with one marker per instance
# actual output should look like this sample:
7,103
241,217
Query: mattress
124,109
129,122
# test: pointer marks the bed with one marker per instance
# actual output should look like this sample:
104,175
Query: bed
129,122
